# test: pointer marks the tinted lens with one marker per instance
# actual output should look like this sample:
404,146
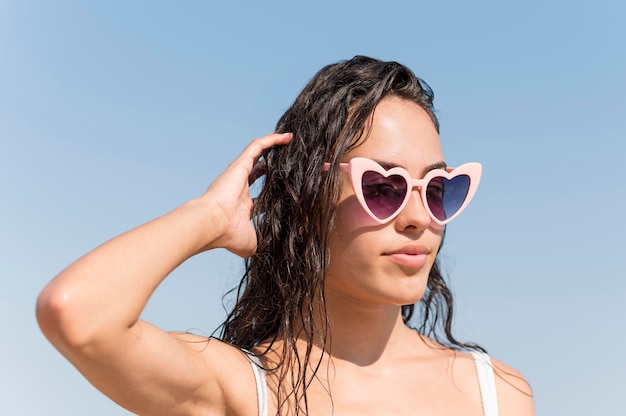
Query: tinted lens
383,195
445,197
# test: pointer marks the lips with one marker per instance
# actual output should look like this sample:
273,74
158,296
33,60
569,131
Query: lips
412,255
410,249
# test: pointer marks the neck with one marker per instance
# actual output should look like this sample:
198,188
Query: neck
364,333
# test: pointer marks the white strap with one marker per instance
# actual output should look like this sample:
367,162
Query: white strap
487,383
484,370
261,385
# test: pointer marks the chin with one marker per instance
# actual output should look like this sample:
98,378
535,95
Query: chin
409,297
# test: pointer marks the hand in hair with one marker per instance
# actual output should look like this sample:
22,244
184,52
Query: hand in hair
230,195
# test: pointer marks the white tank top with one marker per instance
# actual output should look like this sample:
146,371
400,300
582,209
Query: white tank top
484,370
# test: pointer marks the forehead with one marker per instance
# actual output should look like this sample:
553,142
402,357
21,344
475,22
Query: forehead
401,133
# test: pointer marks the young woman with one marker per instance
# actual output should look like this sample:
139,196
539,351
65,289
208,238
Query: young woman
341,258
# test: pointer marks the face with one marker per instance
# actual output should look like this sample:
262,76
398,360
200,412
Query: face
387,264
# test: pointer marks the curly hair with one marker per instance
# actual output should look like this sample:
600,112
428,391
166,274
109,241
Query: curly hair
294,214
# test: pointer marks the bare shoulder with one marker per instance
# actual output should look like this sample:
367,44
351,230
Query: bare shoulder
232,368
515,396
221,358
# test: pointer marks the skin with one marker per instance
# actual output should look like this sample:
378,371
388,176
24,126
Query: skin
376,365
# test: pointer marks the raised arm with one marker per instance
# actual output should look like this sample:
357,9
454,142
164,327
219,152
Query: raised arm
90,311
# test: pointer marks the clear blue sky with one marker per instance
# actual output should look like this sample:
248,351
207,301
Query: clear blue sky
112,113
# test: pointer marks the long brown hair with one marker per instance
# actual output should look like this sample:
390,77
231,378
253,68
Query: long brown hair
294,214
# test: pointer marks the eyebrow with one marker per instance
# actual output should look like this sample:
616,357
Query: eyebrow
390,165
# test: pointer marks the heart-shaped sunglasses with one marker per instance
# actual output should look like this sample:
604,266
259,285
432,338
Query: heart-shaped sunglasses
384,193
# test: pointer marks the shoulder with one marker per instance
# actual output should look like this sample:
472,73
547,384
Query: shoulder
231,370
515,396
221,359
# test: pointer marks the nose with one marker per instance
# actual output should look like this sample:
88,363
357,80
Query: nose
414,214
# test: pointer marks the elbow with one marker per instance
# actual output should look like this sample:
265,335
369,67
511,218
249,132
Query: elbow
58,317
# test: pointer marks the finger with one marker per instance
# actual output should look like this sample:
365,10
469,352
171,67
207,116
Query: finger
257,146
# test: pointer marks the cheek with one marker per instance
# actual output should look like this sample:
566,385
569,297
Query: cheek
351,218
350,243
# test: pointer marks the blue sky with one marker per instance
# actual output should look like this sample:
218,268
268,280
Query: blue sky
115,112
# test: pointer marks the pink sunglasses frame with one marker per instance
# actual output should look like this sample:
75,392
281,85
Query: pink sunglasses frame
359,165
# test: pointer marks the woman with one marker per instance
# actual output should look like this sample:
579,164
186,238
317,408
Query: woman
342,248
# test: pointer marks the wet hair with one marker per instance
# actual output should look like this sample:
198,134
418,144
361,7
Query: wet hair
283,285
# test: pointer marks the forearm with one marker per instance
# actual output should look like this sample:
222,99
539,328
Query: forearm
103,293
